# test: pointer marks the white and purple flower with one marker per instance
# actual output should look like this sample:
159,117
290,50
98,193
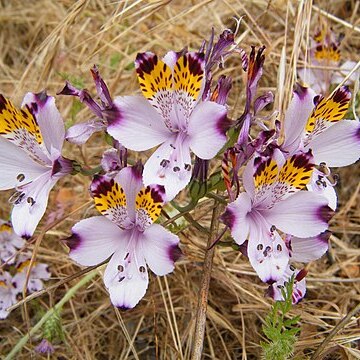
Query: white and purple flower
7,293
126,232
271,202
9,243
30,157
316,123
38,273
170,114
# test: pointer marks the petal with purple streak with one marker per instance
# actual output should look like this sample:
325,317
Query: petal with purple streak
159,247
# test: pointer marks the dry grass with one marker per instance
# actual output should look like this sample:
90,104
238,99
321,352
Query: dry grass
44,41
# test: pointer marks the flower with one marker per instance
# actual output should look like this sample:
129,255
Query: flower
127,233
7,293
169,113
38,273
316,123
45,347
272,201
30,157
325,55
80,133
9,243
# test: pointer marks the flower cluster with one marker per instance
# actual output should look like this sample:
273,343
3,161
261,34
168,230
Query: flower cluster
14,278
279,208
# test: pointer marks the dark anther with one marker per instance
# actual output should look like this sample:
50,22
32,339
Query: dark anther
142,269
187,167
273,228
292,267
176,169
30,201
120,268
260,247
279,247
20,177
164,163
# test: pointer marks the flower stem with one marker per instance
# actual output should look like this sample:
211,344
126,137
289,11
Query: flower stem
204,289
71,292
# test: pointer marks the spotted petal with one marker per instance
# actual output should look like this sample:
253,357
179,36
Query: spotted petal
170,166
126,277
17,167
31,204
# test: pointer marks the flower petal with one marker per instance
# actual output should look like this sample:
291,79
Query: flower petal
344,69
235,217
207,129
80,133
16,165
48,117
303,214
309,249
267,252
31,204
139,127
94,239
299,287
160,248
320,184
126,278
170,166
339,145
296,116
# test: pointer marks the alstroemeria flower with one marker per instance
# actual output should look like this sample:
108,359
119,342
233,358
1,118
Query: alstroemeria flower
299,287
317,124
272,201
38,273
127,233
9,243
325,55
170,113
7,293
30,157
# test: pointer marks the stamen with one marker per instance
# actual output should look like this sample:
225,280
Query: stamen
120,268
279,247
176,169
292,267
121,279
260,247
142,269
20,177
30,201
267,250
164,163
187,167
17,197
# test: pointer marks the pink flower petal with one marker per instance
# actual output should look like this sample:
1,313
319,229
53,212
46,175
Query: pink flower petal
309,249
126,277
207,129
94,239
160,248
267,252
236,217
31,204
296,116
339,145
303,214
14,163
80,133
49,119
170,166
139,127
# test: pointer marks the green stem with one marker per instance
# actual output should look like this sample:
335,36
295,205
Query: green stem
71,292
90,172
